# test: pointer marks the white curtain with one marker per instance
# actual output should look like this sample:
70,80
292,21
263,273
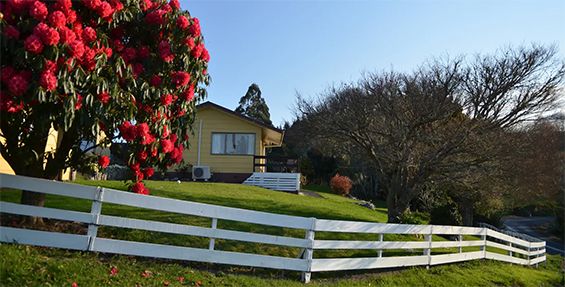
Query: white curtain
218,143
237,144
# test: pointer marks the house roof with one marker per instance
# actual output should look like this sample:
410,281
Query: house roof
269,128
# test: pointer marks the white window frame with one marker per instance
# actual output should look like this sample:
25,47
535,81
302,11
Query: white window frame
224,152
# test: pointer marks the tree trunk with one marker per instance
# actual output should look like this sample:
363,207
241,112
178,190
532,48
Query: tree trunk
395,206
36,199
30,197
466,209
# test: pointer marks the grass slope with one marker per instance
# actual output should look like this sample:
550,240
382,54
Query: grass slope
28,266
234,195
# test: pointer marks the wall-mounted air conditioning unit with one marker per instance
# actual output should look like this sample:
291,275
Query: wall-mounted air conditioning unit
201,172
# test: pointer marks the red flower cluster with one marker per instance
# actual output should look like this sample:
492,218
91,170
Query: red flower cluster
104,9
167,145
140,188
89,34
148,172
176,154
174,4
57,19
38,10
104,98
130,133
194,28
33,44
188,94
104,161
180,78
48,80
127,131
165,51
156,17
166,99
48,35
182,22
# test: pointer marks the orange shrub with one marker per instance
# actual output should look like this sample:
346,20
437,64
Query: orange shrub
340,184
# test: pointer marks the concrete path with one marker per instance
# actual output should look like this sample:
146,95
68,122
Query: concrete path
536,226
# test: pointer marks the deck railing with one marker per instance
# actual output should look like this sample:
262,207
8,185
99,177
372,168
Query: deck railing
263,163
489,243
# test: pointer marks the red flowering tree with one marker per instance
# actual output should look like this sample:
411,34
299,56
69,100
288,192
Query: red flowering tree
129,69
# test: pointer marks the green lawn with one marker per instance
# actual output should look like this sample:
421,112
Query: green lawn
62,267
236,195
28,266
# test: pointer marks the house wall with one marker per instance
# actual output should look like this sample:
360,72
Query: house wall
50,147
4,166
216,121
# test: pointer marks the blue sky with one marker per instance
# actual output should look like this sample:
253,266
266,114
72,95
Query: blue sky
305,46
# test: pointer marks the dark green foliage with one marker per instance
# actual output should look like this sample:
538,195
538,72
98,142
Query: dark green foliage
446,214
414,217
324,166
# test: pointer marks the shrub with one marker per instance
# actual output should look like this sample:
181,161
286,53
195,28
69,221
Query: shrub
340,184
414,217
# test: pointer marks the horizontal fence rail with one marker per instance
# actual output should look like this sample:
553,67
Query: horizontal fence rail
426,246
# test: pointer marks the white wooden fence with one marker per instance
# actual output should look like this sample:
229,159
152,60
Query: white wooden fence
517,251
281,181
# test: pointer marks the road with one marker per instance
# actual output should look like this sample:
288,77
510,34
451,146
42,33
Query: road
535,226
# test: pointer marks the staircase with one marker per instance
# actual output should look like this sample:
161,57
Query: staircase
289,182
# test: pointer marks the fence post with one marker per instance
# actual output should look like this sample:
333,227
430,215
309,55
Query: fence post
510,251
95,211
212,239
484,239
529,250
460,243
298,182
428,251
309,252
381,239
537,255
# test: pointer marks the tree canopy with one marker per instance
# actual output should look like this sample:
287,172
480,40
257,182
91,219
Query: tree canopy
442,121
122,69
254,106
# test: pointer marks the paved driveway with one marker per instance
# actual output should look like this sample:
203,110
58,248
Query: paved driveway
536,226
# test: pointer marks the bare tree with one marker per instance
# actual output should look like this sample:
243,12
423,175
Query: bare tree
439,121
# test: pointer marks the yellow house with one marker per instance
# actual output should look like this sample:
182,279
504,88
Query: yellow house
231,145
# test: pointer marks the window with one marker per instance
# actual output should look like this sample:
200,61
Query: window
231,143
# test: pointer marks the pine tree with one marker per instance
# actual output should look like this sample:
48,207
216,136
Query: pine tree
254,106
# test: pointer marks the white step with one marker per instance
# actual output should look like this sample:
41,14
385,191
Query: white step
275,180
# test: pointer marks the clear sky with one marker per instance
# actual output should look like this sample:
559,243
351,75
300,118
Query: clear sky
305,46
